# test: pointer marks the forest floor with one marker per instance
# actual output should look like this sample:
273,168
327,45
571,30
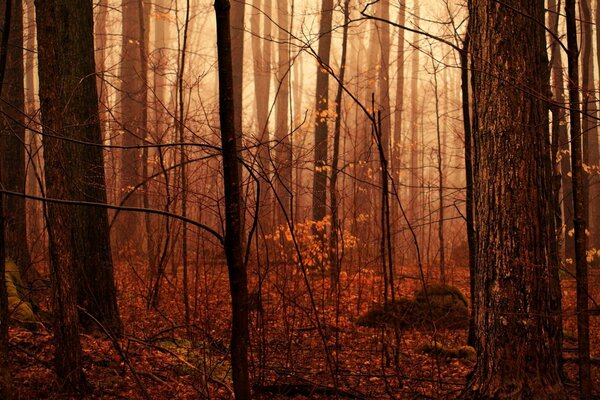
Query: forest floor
304,343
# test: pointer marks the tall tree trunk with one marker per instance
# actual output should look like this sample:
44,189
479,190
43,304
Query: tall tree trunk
237,54
233,209
415,194
319,209
383,34
183,160
80,246
334,253
282,133
261,50
513,286
133,109
579,202
12,146
440,171
5,378
591,147
396,159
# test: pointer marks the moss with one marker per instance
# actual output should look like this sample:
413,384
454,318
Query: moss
407,314
466,353
441,293
19,308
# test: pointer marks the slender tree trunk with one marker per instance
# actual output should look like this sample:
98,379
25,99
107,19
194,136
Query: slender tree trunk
282,133
514,313
591,148
237,54
396,160
322,114
183,160
133,109
335,223
233,209
261,50
440,171
469,209
415,194
12,146
5,377
579,201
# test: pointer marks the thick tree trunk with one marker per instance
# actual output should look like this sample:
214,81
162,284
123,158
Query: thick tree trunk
518,356
237,55
12,146
321,115
234,247
79,237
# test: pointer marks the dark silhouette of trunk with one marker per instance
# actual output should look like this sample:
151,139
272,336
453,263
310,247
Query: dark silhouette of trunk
383,34
12,146
591,148
60,27
133,109
466,112
234,247
440,171
5,378
514,314
237,55
396,160
579,203
415,194
322,106
335,223
79,237
183,160
261,51
282,133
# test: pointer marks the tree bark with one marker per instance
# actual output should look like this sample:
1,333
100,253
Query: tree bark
516,323
579,203
79,237
319,209
234,246
12,146
591,147
5,377
282,132
133,107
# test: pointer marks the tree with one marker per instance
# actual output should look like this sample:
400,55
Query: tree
80,255
282,134
591,147
133,106
414,189
513,308
579,207
5,378
322,113
234,247
12,146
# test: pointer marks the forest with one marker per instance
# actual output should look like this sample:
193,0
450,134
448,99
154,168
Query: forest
299,199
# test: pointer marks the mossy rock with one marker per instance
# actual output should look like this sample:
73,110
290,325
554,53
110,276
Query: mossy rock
444,307
466,353
443,294
18,307
401,312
